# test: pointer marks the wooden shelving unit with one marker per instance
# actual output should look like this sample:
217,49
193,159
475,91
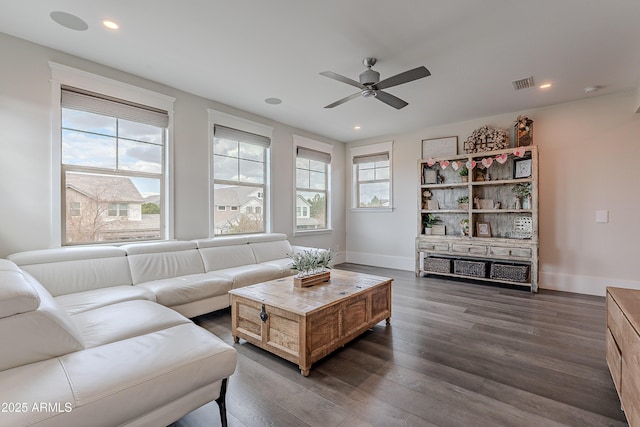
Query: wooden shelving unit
506,245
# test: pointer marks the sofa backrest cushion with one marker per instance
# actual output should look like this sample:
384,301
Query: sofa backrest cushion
225,252
76,269
162,260
41,333
268,247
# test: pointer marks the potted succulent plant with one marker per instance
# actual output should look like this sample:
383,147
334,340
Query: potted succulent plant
463,202
464,173
428,221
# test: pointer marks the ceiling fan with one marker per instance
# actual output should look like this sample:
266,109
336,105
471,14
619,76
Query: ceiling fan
370,84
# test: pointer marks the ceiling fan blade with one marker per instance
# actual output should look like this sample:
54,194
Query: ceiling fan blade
406,77
342,79
343,100
389,99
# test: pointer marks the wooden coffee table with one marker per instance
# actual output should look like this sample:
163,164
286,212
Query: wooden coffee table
303,325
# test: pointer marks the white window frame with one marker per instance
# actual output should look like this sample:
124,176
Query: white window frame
62,75
366,150
245,125
312,144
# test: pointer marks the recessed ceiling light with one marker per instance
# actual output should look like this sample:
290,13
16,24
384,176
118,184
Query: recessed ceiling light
545,86
69,21
356,127
110,24
273,101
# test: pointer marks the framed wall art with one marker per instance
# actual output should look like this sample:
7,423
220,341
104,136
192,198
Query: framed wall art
440,147
522,168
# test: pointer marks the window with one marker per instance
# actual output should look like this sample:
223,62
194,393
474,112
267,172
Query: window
112,163
222,207
74,208
372,176
234,208
118,209
239,180
312,183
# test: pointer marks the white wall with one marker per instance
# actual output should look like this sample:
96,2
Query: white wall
589,160
25,155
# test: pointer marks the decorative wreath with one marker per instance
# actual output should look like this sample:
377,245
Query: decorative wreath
486,139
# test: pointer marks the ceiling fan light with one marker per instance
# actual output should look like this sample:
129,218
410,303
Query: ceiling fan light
369,93
369,77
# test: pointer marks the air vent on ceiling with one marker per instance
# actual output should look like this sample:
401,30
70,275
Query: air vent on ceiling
523,83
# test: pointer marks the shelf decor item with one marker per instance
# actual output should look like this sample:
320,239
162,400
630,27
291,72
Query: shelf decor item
510,272
486,139
522,168
483,229
312,267
523,195
428,221
464,173
463,202
523,131
437,265
465,267
440,147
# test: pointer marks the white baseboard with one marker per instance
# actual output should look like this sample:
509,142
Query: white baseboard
386,261
589,285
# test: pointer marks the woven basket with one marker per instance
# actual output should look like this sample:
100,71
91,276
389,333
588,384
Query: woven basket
470,268
510,272
437,265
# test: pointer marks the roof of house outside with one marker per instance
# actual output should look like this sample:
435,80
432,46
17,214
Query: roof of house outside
234,196
104,187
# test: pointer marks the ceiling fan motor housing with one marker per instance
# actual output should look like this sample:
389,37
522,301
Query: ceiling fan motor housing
369,77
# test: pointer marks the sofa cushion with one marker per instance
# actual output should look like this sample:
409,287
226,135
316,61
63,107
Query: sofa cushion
185,289
115,383
16,294
76,269
124,320
88,300
217,258
161,260
249,274
40,334
270,250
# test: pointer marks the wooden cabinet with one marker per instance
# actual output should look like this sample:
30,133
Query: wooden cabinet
486,202
623,348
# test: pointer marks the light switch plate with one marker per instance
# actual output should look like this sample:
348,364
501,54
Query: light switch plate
602,216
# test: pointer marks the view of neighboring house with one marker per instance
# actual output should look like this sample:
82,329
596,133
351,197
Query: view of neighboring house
239,209
106,208
304,220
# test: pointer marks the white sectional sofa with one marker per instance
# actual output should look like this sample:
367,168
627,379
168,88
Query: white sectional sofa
100,335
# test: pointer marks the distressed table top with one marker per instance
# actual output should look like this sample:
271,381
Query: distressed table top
281,292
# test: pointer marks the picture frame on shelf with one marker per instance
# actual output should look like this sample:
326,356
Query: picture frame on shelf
483,229
522,168
440,147
429,176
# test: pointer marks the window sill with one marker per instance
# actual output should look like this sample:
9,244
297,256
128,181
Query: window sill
371,209
312,232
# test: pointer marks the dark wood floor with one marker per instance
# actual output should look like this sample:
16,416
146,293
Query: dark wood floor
455,354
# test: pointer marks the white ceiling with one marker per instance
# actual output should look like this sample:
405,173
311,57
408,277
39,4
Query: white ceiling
240,52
